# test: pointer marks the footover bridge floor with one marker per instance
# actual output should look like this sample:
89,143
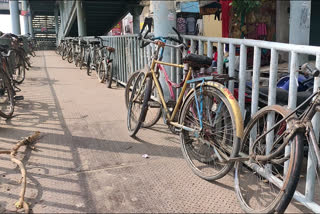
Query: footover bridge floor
86,162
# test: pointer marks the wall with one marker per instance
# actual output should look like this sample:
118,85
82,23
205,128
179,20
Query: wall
282,25
211,28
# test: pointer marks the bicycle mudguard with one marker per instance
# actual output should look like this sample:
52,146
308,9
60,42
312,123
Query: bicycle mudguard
232,100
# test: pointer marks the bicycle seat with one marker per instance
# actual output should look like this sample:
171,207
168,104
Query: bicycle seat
111,49
197,61
75,41
83,42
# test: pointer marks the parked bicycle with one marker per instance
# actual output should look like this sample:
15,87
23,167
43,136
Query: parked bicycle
271,154
209,116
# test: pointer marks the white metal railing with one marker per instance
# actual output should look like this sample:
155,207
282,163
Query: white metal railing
129,57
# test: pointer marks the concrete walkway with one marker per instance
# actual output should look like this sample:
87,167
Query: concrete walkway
86,162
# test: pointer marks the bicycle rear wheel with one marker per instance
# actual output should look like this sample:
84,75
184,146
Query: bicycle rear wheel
268,186
101,72
138,103
207,153
6,96
109,74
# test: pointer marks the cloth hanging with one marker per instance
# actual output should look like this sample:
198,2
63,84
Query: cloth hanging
225,6
261,30
191,26
181,25
200,27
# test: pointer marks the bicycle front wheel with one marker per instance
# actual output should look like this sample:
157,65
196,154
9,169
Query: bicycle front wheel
101,72
208,152
138,103
154,109
130,83
19,74
268,186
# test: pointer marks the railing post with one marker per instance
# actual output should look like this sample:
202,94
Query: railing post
242,78
312,162
232,54
255,80
220,58
292,102
272,97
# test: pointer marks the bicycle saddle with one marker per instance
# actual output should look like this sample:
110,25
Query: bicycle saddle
111,49
83,42
197,61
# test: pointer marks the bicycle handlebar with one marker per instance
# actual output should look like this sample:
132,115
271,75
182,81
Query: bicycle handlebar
154,41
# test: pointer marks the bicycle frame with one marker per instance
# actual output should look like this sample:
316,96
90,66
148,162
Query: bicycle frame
154,74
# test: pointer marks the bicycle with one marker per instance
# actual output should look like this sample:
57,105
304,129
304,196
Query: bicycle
209,116
105,66
94,56
7,92
267,170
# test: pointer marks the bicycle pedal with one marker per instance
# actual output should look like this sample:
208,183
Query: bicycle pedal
19,98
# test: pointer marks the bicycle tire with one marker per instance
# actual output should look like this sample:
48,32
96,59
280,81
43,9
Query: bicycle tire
130,83
108,75
144,96
280,201
64,54
150,119
199,153
70,57
88,66
21,73
6,89
101,72
153,117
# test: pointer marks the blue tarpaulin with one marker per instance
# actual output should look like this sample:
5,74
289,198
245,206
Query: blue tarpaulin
190,7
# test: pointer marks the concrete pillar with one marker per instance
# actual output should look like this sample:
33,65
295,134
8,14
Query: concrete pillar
14,14
56,19
61,7
164,15
25,17
282,25
30,21
81,17
136,12
299,33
